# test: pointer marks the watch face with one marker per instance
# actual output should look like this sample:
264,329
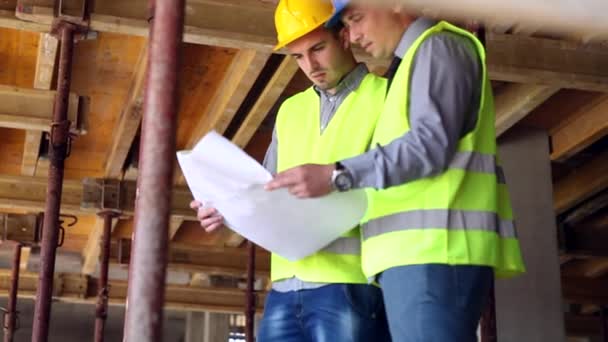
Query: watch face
344,181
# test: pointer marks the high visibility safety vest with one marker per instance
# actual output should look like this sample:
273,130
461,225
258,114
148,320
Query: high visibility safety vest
348,134
462,216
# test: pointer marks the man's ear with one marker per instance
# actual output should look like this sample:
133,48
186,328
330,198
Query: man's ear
345,38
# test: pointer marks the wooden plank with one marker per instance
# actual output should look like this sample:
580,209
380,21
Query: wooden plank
129,121
211,260
583,325
240,76
269,96
92,250
45,69
31,152
29,194
32,109
47,57
120,196
585,182
585,290
588,238
174,224
72,288
238,80
595,267
589,124
563,64
516,101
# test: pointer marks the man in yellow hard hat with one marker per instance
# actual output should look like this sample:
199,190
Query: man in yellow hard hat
324,297
440,225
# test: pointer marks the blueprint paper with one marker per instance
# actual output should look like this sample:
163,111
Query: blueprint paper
223,176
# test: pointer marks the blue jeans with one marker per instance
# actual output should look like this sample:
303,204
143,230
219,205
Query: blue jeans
435,303
332,313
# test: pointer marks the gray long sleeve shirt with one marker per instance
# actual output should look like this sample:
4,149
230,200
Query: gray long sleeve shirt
444,100
329,107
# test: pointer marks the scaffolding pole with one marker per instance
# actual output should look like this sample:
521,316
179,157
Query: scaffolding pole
143,322
59,143
250,309
101,310
10,318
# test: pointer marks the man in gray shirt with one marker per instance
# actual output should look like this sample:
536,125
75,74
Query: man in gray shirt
447,93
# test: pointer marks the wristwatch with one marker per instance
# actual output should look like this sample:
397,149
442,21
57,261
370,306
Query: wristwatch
341,179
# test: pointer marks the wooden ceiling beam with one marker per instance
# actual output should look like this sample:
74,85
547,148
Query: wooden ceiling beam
583,290
558,63
32,109
589,124
584,182
43,79
264,103
92,249
129,121
211,260
76,288
244,69
29,194
516,101
511,58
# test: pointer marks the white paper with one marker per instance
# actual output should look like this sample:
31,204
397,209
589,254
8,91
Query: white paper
222,176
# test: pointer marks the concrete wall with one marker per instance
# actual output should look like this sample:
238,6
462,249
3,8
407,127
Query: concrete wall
529,308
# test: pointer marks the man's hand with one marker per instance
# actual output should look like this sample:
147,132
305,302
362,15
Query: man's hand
209,218
306,181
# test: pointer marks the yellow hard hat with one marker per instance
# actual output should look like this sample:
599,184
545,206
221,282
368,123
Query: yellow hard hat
295,18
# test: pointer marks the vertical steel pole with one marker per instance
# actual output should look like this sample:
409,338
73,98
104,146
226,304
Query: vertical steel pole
10,320
59,140
250,309
101,312
146,293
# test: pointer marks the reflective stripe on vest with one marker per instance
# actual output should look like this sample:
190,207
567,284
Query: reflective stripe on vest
344,245
440,219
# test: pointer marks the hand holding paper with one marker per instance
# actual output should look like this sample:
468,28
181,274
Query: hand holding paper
218,171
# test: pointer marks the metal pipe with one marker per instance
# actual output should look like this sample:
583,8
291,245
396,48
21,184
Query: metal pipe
146,293
488,319
10,320
250,309
101,311
59,138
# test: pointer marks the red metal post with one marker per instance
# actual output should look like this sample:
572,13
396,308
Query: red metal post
250,309
101,312
146,293
10,320
58,147
488,319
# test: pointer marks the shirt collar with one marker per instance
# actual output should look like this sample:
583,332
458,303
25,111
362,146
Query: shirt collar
349,83
417,28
